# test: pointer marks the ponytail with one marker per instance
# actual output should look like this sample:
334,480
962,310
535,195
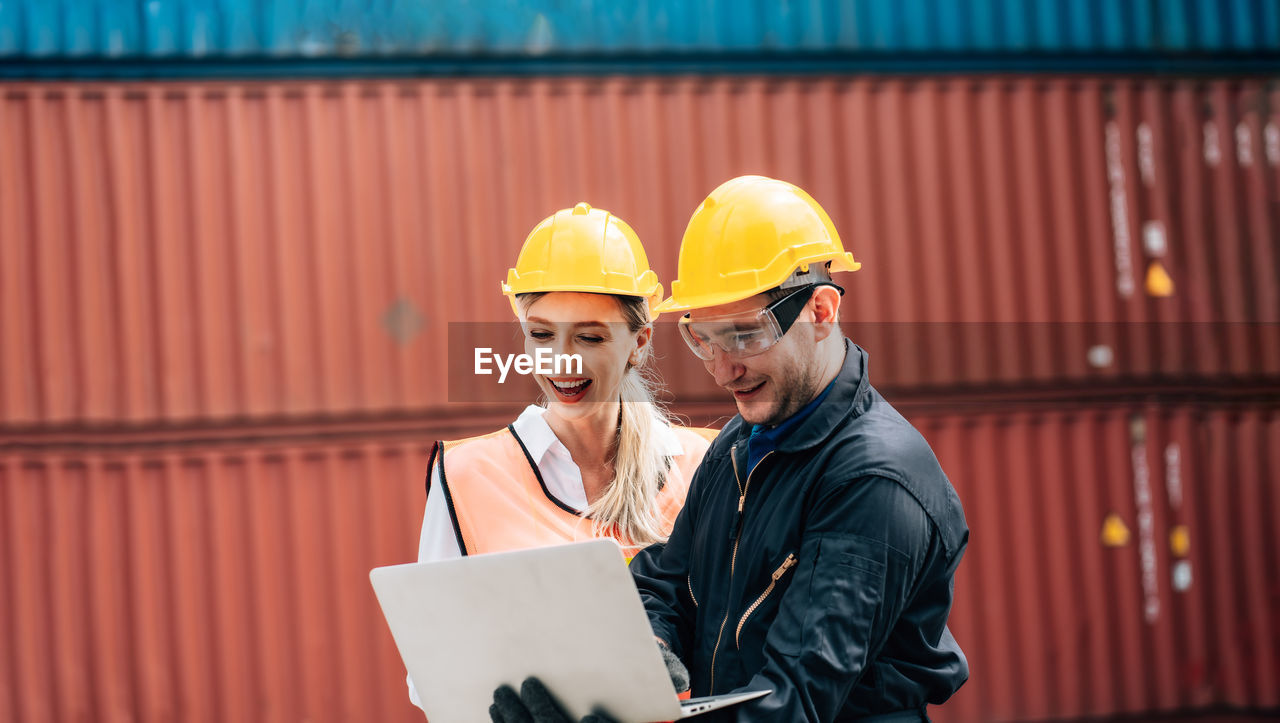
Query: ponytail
626,507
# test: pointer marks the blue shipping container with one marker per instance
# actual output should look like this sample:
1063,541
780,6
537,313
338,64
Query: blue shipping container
294,29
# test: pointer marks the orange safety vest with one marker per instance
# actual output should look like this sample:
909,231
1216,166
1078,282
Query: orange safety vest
498,501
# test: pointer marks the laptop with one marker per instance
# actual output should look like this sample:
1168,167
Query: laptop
568,614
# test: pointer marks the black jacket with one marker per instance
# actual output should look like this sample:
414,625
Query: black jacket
831,587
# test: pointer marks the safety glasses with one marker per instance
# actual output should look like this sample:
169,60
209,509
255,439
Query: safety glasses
747,333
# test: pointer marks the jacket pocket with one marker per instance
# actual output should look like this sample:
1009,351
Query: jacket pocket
778,574
689,582
844,618
859,562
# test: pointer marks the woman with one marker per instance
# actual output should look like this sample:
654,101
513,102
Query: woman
599,459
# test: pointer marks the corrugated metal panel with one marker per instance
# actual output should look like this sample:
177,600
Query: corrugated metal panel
222,252
343,28
1059,626
228,580
204,584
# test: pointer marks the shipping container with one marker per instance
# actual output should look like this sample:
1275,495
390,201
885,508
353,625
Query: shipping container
39,29
177,253
1122,560
204,582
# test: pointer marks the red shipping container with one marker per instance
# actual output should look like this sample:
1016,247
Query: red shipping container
194,253
204,583
1123,560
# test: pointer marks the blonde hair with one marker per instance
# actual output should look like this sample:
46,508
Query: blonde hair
626,508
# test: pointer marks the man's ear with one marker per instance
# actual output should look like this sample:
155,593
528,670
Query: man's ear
826,311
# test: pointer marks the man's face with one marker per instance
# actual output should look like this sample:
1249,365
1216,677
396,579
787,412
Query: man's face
772,386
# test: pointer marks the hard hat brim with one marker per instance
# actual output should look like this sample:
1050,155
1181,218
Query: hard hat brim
654,298
843,262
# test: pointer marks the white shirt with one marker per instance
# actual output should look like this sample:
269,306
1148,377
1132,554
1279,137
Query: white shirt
559,473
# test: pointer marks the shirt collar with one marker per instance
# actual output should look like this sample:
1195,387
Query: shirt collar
538,437
775,433
764,440
851,394
534,431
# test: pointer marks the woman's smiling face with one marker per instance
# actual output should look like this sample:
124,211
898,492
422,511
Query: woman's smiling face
593,327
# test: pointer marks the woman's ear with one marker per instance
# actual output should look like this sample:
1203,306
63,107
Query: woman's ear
643,338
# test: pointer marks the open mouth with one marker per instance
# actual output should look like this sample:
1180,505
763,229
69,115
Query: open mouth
570,390
743,395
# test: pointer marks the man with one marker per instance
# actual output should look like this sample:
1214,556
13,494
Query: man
816,550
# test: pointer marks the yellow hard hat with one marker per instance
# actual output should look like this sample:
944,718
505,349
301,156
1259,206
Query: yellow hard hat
747,237
583,249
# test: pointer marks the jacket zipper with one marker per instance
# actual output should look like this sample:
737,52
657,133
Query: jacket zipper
777,575
733,560
689,579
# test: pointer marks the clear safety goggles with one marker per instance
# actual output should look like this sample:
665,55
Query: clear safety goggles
746,333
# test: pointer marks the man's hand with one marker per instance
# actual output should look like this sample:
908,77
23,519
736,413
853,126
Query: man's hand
675,668
534,704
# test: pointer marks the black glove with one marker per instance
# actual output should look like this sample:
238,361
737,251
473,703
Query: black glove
679,674
533,705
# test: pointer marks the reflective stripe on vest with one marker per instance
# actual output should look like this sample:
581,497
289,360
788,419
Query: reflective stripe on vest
498,500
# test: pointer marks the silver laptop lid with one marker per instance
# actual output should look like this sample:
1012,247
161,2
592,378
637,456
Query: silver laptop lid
569,614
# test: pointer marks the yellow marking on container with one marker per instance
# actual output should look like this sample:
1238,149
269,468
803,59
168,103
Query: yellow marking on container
1180,540
1158,281
1115,533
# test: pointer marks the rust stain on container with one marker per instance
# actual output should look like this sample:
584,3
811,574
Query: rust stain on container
215,252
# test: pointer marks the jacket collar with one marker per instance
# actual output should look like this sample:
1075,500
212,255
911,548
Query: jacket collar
850,395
